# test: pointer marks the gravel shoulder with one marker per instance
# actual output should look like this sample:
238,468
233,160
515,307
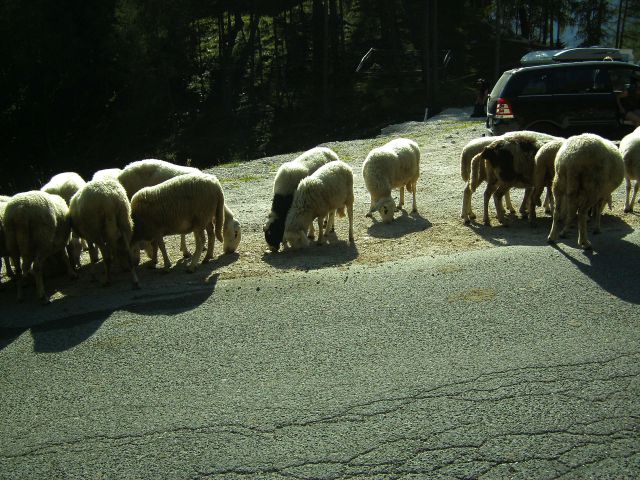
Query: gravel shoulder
436,230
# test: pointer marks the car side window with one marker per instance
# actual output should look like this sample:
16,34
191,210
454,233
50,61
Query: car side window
535,84
576,80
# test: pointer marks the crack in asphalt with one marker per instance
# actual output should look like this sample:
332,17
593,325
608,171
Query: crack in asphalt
482,456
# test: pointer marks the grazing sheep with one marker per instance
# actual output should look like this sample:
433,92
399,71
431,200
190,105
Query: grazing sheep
150,172
36,226
66,184
588,169
543,172
393,165
184,204
231,234
469,152
285,183
508,163
630,150
328,189
4,254
112,173
101,214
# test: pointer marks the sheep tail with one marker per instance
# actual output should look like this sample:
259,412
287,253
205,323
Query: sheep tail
219,219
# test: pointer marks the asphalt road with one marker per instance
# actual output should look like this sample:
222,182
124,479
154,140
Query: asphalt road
512,362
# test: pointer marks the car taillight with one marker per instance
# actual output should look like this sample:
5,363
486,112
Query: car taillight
503,109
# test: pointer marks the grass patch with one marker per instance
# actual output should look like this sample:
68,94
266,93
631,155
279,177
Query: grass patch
245,179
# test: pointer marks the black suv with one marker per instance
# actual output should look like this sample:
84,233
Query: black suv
561,99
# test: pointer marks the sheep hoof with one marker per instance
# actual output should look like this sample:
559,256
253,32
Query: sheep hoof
136,286
206,259
45,300
368,215
186,255
628,209
467,221
586,246
547,211
551,241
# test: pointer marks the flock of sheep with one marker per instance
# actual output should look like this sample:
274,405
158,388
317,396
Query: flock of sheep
580,174
121,211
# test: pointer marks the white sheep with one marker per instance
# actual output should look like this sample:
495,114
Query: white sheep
543,173
285,183
112,173
588,169
36,227
66,184
393,165
100,213
184,204
630,150
231,234
327,190
4,254
150,172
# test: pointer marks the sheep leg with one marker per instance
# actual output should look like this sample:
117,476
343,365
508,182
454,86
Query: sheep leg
211,240
597,214
19,281
37,275
555,222
569,209
199,234
492,186
130,262
372,208
414,207
331,220
507,200
7,266
350,215
320,221
106,260
183,246
166,265
401,203
583,241
497,200
548,201
533,197
525,201
628,204
312,232
467,213
71,271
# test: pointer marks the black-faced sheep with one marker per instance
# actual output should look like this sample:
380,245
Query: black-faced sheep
184,204
36,227
328,189
285,183
100,213
473,169
393,165
588,169
630,150
508,162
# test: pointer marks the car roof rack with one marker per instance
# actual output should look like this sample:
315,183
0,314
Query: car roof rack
546,57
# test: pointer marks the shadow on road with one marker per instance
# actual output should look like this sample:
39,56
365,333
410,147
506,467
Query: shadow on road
67,331
337,252
519,232
614,267
404,224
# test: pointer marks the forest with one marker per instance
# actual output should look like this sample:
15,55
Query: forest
90,85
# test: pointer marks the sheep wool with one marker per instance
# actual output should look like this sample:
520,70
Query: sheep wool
285,183
630,150
393,165
183,204
101,214
36,227
328,189
588,169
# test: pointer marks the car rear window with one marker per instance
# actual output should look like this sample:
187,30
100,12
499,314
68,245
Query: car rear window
498,88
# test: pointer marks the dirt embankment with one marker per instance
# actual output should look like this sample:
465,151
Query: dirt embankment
435,230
